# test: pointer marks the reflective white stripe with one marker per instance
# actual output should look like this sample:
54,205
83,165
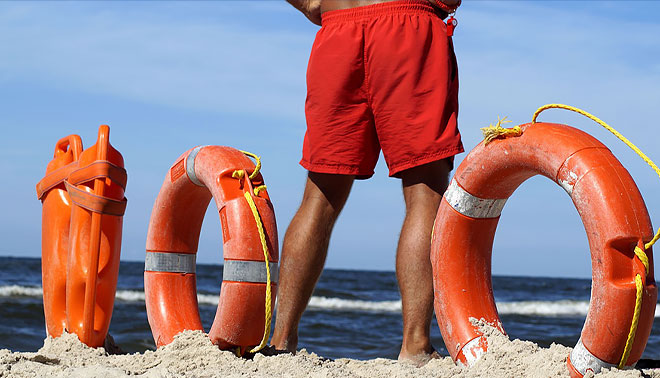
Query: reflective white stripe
472,351
190,165
248,271
471,206
170,262
584,361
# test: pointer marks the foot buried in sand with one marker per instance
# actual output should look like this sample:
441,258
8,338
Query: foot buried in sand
419,359
192,354
271,350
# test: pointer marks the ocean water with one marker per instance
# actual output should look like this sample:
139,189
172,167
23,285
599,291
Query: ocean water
354,314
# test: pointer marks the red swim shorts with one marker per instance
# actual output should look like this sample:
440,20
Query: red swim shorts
381,76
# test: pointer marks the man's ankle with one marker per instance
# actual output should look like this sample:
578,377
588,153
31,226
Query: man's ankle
288,344
416,343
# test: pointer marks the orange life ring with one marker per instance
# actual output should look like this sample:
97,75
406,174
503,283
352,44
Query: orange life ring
169,278
82,214
614,216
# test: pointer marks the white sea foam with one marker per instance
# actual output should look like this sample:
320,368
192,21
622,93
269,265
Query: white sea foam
324,303
138,296
130,295
208,299
20,291
527,308
545,308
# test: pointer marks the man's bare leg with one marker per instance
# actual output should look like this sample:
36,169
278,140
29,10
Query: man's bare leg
423,188
304,250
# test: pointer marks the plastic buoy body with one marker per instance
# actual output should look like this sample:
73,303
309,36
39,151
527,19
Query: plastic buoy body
56,220
197,176
95,237
85,223
614,216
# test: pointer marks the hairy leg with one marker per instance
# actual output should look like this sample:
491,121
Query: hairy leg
423,188
304,250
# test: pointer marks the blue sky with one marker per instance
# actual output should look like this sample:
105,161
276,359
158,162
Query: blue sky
169,75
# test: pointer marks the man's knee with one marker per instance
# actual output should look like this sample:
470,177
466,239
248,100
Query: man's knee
327,192
426,181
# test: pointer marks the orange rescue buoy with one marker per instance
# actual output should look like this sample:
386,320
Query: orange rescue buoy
614,216
56,220
83,206
234,182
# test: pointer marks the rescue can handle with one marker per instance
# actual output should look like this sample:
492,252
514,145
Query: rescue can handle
89,306
71,143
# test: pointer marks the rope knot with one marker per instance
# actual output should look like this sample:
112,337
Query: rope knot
492,132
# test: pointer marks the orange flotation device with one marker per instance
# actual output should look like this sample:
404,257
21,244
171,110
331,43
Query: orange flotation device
83,205
250,249
614,216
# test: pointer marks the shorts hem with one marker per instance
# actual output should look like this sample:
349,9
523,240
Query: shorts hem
338,169
412,163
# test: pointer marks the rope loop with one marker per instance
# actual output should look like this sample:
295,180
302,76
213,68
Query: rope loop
240,174
257,159
259,189
264,246
639,290
639,285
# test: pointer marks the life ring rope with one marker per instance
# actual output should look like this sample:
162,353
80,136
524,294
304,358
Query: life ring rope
493,132
240,174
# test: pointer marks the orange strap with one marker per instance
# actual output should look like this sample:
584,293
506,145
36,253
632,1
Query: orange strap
54,178
94,203
99,169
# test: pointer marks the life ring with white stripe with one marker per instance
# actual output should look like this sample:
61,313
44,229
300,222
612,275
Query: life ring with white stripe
614,216
229,177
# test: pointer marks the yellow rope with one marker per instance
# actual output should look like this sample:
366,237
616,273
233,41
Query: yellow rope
639,252
240,174
492,132
259,189
639,286
264,246
635,321
642,256
655,239
257,159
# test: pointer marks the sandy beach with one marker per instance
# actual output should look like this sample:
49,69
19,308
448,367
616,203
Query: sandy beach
193,355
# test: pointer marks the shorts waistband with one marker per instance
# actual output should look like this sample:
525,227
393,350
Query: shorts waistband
380,9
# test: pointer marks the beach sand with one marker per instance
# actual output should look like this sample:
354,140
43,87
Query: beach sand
193,355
